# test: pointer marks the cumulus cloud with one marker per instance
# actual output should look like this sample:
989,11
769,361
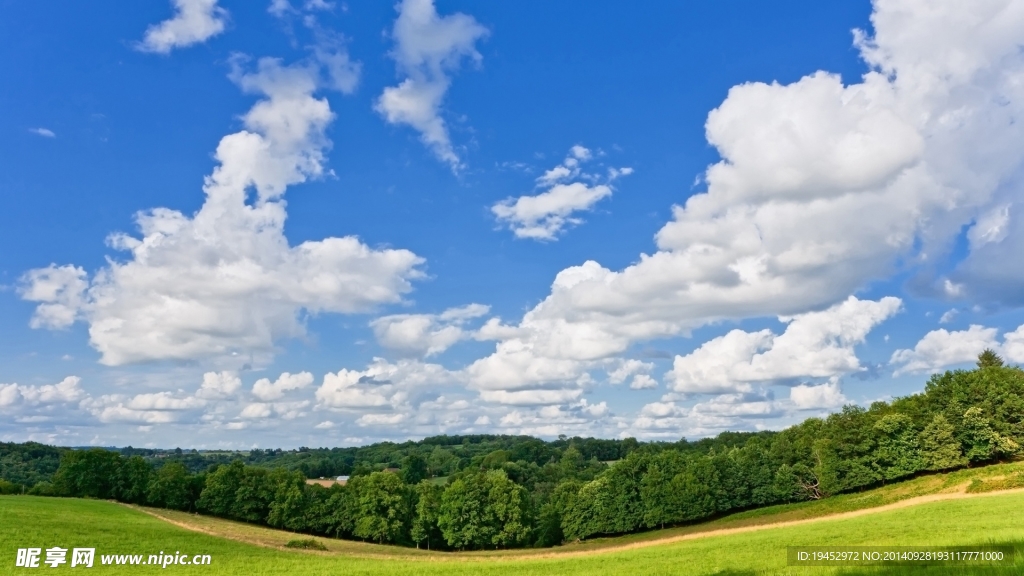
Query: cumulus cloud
624,368
814,345
428,49
426,334
194,21
147,408
808,397
266,390
225,283
66,391
939,349
219,385
381,385
822,187
44,132
544,216
643,382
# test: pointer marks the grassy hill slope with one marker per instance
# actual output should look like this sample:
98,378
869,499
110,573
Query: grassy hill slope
117,529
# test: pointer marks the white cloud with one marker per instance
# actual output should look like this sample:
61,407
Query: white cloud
948,316
380,419
425,334
224,283
821,188
194,21
283,410
62,291
428,49
546,215
147,408
814,345
827,395
530,397
627,368
219,385
941,348
66,391
266,390
382,384
1013,345
643,382
44,132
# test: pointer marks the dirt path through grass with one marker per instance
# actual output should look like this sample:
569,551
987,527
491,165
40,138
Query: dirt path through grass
277,538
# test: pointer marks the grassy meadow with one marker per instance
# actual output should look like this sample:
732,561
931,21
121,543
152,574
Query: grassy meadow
236,548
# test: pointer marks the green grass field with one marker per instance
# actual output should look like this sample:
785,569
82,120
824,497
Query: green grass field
996,518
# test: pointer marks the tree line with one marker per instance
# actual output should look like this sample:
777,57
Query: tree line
506,498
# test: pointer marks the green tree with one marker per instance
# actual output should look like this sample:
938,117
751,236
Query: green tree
462,514
981,442
290,500
169,487
383,508
254,494
508,509
414,469
989,359
218,495
428,507
940,450
87,473
897,452
441,462
133,480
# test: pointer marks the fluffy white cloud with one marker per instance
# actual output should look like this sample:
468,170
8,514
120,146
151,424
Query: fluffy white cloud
382,384
266,390
194,21
225,283
939,348
219,385
1013,345
66,391
643,382
827,395
425,334
545,215
44,132
148,408
627,368
428,49
282,410
814,345
822,188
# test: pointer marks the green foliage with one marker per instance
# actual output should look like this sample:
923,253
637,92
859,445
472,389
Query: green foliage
9,487
306,544
383,502
29,463
897,451
484,510
989,359
133,480
87,473
425,529
414,469
939,448
169,487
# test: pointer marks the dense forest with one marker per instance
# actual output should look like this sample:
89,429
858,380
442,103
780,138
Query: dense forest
474,492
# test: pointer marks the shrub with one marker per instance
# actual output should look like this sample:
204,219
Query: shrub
306,544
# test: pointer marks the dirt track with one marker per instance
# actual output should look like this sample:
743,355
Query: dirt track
568,553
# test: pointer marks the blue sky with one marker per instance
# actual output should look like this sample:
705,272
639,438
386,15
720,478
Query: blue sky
234,224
